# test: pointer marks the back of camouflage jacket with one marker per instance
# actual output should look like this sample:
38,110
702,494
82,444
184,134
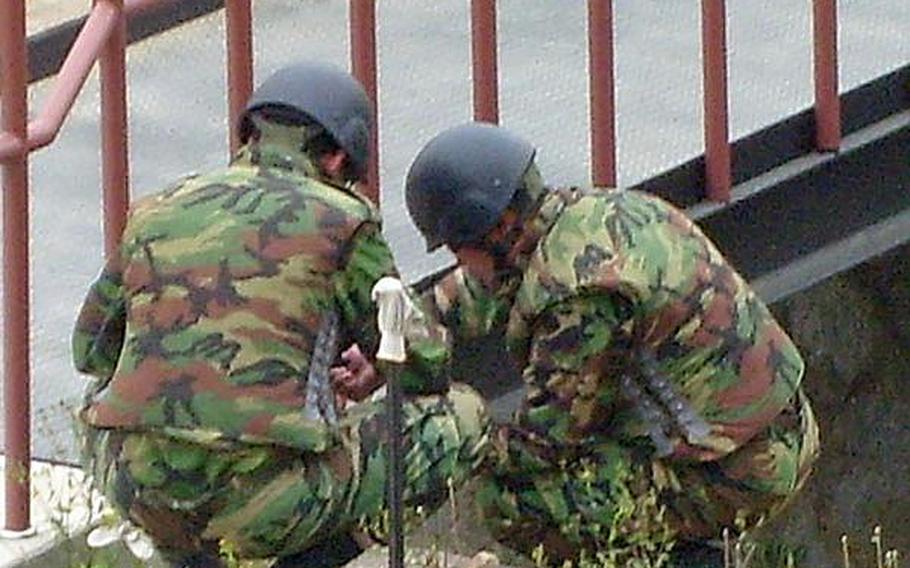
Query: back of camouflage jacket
614,274
204,324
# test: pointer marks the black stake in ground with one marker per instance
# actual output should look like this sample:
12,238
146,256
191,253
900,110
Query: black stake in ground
392,301
396,470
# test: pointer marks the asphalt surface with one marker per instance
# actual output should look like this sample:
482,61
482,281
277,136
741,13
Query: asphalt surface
43,14
178,124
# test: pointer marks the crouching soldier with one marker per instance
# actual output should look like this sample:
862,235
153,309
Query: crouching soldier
653,371
212,423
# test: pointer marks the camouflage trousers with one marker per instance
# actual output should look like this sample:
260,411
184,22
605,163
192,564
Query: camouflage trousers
270,501
616,495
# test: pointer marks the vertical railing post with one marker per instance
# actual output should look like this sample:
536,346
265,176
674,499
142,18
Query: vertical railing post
603,113
363,66
238,24
484,60
827,104
714,66
114,138
16,371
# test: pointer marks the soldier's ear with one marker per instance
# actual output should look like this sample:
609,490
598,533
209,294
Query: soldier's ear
333,163
508,222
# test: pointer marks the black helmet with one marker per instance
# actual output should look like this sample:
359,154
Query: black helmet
462,180
326,94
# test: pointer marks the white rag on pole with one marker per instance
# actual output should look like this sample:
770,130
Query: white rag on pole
394,309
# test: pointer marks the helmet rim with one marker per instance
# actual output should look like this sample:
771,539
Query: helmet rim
462,180
327,95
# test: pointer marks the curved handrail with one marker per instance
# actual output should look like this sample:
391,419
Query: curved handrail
75,70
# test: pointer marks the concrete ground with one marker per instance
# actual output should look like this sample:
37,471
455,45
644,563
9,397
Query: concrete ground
61,505
178,125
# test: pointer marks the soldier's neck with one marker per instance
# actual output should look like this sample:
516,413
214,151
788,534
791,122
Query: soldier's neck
280,146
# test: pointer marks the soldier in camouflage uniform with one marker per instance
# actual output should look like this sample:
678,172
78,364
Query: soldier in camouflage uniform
201,333
651,367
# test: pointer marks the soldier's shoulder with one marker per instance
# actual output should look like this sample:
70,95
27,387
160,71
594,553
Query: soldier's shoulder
653,201
597,209
579,220
624,199
166,191
345,199
592,234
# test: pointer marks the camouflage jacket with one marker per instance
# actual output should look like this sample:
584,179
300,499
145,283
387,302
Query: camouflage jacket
614,281
204,324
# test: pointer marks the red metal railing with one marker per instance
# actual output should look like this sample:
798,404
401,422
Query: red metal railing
363,66
114,142
714,66
239,32
103,37
16,400
485,65
827,103
603,112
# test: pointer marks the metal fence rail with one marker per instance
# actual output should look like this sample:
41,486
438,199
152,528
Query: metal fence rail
827,101
103,39
13,97
362,25
603,112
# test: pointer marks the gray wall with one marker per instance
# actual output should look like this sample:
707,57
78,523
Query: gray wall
854,331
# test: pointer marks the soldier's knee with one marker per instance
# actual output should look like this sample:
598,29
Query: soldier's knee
470,411
449,434
809,448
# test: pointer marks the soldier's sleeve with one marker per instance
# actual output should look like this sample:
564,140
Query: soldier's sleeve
466,308
369,259
98,335
571,369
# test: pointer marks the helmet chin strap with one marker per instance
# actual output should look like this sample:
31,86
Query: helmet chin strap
500,248
525,203
501,241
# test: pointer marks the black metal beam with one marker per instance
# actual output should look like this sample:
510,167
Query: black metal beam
48,48
815,208
786,140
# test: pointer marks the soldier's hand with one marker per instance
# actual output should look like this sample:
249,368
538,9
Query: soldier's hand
357,378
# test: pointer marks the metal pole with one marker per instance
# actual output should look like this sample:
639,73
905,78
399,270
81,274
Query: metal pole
114,138
396,470
603,111
392,302
483,44
16,372
238,21
827,104
363,66
714,66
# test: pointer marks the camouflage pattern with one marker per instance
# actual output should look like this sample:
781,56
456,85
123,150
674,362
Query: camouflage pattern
602,276
204,325
260,501
200,334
